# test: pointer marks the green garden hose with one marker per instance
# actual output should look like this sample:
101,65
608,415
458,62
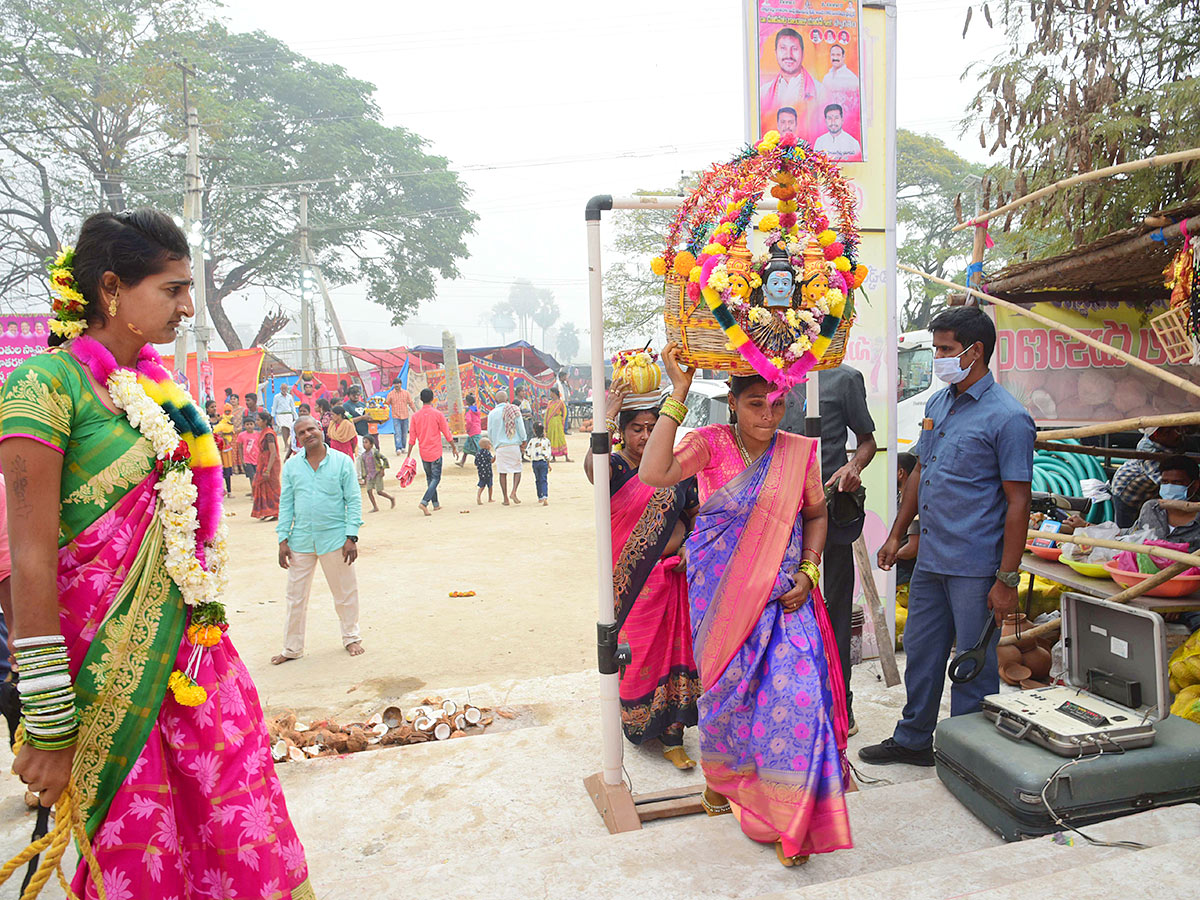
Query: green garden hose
1063,473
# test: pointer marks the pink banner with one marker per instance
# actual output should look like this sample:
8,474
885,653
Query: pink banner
20,338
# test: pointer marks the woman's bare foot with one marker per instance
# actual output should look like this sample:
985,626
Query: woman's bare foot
714,803
515,500
393,501
374,509
789,861
678,757
424,509
279,659
355,649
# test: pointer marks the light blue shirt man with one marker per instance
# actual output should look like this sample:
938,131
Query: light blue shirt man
497,432
319,508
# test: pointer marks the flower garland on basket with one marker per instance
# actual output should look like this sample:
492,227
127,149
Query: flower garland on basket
782,345
189,493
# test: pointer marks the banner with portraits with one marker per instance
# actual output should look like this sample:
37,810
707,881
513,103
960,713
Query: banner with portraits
807,74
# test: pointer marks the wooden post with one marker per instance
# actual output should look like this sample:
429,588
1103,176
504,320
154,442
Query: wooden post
1136,423
1124,596
883,637
1115,453
1150,368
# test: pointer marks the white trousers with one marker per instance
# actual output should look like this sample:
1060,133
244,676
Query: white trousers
342,584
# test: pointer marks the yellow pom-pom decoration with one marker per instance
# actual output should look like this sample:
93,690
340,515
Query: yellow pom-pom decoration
694,275
723,228
842,264
786,206
714,249
684,263
769,222
826,237
658,266
837,302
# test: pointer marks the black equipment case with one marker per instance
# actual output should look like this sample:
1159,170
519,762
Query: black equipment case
1009,782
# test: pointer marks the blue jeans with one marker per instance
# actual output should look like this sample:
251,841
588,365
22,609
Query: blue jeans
943,610
433,475
400,433
541,476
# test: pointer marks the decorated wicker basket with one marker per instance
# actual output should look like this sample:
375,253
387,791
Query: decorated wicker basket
784,313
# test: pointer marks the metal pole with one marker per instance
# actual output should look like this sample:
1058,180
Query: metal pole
305,289
196,239
610,701
891,297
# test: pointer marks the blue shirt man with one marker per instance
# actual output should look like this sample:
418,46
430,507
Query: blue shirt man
320,511
971,489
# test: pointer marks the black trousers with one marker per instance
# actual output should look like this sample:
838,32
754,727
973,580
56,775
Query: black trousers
839,601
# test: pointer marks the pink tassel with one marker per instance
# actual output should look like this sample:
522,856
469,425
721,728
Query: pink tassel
707,267
209,483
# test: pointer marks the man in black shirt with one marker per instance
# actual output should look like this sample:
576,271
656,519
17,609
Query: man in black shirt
356,411
843,409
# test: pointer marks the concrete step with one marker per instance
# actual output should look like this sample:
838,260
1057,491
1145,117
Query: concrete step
1168,871
506,815
1004,871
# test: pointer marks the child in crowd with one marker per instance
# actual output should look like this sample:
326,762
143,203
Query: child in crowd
371,464
474,427
483,466
248,443
539,453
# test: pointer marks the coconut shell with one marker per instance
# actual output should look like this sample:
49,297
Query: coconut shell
458,734
442,731
393,716
287,722
339,742
295,754
357,741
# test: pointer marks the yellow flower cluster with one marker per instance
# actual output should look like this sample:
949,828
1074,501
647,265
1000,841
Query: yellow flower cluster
718,279
204,635
755,280
769,142
769,222
714,249
186,691
826,237
759,315
786,206
801,345
658,266
723,228
68,330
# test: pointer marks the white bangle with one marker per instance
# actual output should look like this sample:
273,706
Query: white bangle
45,683
43,641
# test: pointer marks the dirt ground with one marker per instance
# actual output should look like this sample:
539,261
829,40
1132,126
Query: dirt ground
532,568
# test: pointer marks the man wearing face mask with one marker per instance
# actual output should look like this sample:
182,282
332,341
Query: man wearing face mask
1180,481
971,488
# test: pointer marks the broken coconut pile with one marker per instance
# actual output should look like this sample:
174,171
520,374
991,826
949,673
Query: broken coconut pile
434,720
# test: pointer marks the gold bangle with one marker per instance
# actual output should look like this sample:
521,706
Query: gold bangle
810,569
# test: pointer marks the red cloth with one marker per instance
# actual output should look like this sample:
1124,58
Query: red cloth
266,480
427,428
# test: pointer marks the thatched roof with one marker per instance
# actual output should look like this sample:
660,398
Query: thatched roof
1125,265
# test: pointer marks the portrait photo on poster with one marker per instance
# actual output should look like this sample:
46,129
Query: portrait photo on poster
808,69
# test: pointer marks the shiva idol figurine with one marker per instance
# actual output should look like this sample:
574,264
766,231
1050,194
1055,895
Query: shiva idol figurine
779,279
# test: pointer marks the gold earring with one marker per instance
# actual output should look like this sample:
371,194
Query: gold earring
112,304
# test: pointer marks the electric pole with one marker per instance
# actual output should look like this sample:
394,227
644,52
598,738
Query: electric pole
194,224
181,341
306,287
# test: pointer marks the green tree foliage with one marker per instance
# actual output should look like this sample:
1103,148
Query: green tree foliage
1082,86
382,210
633,295
547,313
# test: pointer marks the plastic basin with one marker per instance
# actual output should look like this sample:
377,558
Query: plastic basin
1050,553
1087,569
1179,586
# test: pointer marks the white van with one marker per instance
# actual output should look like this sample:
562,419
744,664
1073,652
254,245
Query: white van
916,386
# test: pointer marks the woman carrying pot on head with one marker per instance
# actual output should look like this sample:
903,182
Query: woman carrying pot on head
138,712
773,709
660,686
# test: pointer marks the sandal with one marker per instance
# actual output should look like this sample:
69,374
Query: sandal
722,810
789,861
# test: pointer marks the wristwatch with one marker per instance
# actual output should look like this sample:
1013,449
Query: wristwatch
352,537
1009,579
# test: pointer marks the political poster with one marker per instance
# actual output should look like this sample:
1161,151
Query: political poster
807,75
20,338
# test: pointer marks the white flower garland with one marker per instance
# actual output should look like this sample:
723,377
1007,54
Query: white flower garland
177,494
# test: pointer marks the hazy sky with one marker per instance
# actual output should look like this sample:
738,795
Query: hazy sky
540,105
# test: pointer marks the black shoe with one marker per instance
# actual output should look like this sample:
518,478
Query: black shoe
853,730
890,752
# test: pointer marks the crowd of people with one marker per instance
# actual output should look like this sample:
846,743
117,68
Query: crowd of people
720,541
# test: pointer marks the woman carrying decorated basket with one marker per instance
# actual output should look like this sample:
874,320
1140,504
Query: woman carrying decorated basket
773,711
659,688
138,713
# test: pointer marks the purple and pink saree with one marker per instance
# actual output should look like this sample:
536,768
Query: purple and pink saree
773,713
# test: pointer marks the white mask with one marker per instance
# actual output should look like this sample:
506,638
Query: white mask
948,370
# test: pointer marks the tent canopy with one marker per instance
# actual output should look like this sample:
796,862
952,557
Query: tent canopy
390,359
518,353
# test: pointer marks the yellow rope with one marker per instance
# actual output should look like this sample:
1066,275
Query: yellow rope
68,822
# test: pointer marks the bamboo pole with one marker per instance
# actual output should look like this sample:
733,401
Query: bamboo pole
1180,505
1130,593
1169,378
1114,452
883,637
1165,159
1164,552
1135,424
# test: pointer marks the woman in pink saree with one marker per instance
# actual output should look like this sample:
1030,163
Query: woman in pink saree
660,686
178,799
773,712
